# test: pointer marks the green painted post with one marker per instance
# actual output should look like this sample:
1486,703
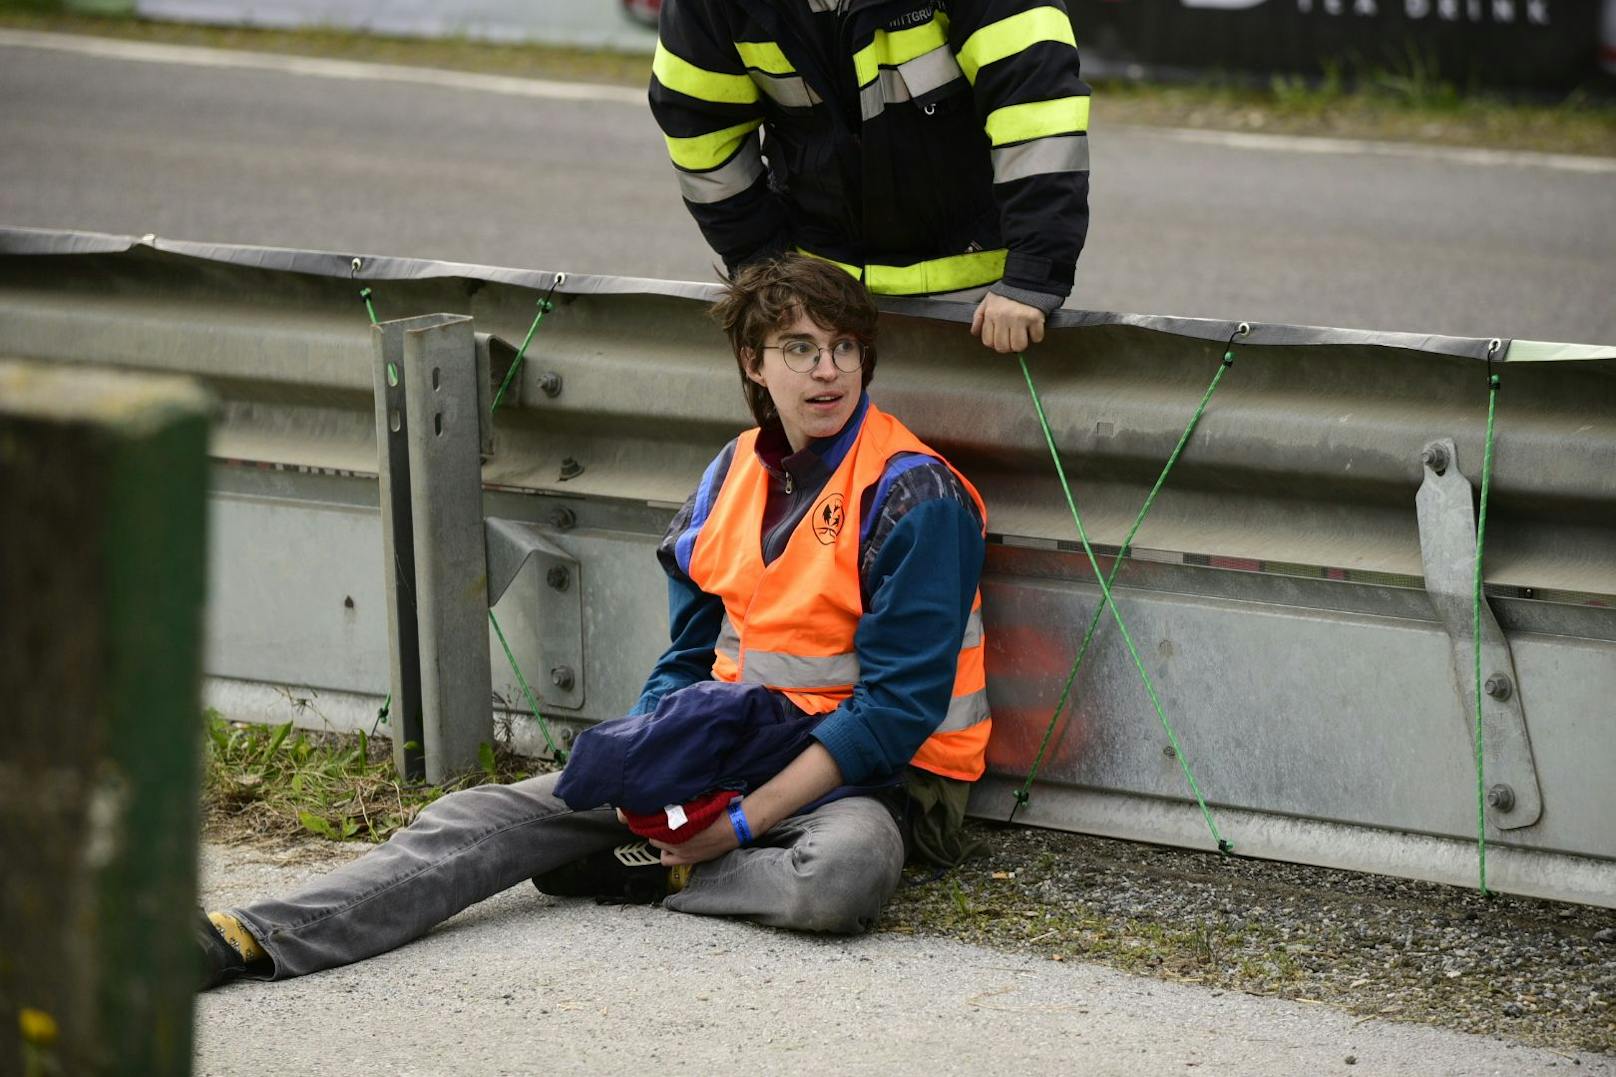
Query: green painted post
103,481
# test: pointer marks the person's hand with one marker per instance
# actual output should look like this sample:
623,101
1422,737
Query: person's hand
715,841
1005,325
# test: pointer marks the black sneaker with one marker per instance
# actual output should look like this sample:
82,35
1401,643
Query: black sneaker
221,962
630,874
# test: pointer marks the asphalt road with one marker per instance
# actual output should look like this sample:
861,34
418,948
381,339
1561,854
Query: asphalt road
529,984
231,148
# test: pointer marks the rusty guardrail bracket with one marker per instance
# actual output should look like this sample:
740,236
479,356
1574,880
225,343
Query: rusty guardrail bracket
1447,520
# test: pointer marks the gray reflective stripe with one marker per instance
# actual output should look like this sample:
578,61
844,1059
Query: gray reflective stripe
788,91
822,5
886,86
728,179
1057,153
917,78
930,71
729,640
973,631
796,671
965,711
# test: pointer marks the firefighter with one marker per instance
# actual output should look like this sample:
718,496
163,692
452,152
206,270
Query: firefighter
928,147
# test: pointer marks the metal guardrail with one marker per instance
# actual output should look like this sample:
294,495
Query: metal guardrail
1278,590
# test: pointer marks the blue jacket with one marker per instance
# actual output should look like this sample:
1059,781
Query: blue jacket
709,735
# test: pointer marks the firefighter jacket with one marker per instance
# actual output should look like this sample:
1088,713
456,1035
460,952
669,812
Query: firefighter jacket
927,146
790,624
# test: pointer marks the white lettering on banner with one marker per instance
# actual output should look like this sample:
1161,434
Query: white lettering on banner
1502,12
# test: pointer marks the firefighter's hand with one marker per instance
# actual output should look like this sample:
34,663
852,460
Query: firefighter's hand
1005,325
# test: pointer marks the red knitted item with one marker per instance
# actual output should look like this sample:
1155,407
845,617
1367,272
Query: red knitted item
699,815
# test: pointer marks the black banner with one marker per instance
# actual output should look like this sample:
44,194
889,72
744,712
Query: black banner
1539,44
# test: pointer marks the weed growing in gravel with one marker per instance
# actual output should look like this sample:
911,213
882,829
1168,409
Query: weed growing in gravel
277,781
1529,970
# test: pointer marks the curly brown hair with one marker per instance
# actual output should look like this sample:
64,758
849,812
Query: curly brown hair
768,296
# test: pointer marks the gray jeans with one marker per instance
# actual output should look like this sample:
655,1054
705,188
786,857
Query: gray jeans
829,870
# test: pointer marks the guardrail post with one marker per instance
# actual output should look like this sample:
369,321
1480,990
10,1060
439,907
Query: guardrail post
429,431
103,479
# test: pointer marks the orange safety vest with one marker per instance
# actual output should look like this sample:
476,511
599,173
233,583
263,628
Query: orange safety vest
790,624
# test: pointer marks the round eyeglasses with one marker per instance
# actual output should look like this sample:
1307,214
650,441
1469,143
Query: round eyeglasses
802,356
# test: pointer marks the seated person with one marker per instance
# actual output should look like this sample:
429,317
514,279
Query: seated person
823,586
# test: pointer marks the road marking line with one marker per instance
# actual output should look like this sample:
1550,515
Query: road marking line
317,67
1245,140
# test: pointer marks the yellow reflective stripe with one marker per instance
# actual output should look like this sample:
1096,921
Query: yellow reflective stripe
949,274
852,271
892,49
1009,36
701,152
765,56
1038,119
954,273
692,81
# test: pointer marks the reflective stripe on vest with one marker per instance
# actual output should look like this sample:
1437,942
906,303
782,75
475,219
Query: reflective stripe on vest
935,276
833,670
791,624
775,75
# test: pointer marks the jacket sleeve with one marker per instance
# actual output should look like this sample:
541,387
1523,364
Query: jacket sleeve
710,111
919,571
1020,57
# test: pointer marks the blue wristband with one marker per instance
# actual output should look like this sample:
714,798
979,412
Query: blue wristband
737,819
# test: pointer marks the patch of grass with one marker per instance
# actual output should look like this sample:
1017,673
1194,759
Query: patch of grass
1408,102
452,53
1386,106
279,782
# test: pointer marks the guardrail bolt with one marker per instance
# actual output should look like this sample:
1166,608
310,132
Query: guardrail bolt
561,677
1169,751
1501,798
1435,457
550,382
1499,687
570,469
563,519
558,577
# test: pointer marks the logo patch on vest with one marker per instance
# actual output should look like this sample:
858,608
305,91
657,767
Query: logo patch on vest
827,517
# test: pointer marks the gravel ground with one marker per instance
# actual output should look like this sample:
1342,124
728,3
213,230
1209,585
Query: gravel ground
524,983
1537,972
1534,972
